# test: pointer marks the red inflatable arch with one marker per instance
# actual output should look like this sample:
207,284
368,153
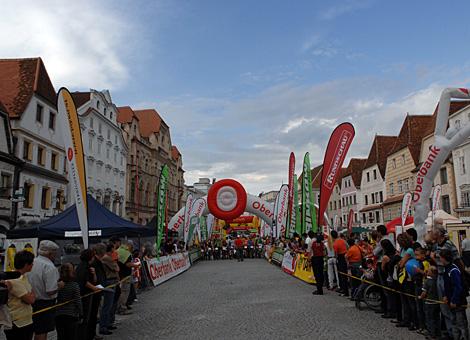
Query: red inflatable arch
226,199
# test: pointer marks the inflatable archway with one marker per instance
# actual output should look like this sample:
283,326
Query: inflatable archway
226,200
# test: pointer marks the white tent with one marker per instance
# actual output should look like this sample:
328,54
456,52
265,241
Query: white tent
440,217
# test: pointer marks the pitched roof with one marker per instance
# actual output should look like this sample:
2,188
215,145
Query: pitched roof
80,98
125,114
379,151
454,107
175,153
19,79
316,176
355,170
149,121
412,133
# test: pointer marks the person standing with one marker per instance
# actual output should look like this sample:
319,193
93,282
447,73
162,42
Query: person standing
354,258
125,272
318,261
466,251
44,278
340,248
239,248
111,270
68,315
100,275
20,299
333,279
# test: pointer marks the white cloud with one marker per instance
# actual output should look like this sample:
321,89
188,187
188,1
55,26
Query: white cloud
82,43
344,8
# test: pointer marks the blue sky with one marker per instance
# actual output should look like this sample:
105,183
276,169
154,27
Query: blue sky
243,83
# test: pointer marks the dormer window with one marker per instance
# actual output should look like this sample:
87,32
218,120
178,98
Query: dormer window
98,104
105,112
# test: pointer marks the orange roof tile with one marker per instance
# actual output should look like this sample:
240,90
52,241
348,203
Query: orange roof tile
175,153
125,115
80,98
379,151
19,79
149,121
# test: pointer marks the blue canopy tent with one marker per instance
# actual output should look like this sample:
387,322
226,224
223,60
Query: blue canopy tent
101,223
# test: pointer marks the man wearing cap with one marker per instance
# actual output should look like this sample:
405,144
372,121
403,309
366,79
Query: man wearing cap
44,279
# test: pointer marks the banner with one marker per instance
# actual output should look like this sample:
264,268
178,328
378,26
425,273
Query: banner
297,217
196,212
187,215
436,198
445,140
309,221
335,153
290,205
164,268
350,220
14,246
161,205
405,207
288,263
210,222
303,269
69,125
336,223
281,210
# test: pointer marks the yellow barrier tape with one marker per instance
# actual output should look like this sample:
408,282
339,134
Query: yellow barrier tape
70,301
394,290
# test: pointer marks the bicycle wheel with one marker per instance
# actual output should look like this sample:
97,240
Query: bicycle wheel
372,297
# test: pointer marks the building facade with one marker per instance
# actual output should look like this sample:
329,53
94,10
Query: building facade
351,190
105,149
30,101
373,182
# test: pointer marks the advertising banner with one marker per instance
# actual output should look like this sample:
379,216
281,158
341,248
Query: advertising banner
288,263
67,120
187,216
336,222
161,204
164,268
290,205
303,269
210,222
350,221
446,140
14,246
405,207
335,153
196,212
297,217
281,217
309,221
436,198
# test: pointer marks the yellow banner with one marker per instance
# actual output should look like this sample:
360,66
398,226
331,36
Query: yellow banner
303,269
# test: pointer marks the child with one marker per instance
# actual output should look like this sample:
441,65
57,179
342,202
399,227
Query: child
431,309
418,277
20,299
68,315
367,274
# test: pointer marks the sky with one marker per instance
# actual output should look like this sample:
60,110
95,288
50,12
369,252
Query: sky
243,83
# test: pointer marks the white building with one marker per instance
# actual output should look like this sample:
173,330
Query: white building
30,101
104,148
351,190
461,162
373,182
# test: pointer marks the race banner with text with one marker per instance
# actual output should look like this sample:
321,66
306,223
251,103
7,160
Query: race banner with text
297,225
70,126
288,263
161,204
196,212
335,153
405,207
290,205
164,268
281,217
309,221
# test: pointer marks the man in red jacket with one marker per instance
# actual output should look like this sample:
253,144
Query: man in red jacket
239,247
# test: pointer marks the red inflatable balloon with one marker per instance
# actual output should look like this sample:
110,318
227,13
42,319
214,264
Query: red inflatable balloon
226,199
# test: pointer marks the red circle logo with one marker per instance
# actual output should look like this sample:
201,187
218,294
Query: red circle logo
226,199
70,154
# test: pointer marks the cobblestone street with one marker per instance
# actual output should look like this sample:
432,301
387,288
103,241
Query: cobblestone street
249,300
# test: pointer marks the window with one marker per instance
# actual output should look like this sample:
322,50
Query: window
115,156
381,197
98,104
391,189
366,199
115,139
28,195
355,201
400,186
59,200
406,186
445,203
465,199
377,217
5,185
54,161
368,177
389,214
122,160
462,165
39,110
364,218
41,155
335,205
457,124
371,217
443,175
91,122
90,144
331,205
376,197
343,201
109,134
46,198
111,115
105,112
27,151
375,174
403,159
99,148
99,128
394,164
355,217
372,198
51,120
107,153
